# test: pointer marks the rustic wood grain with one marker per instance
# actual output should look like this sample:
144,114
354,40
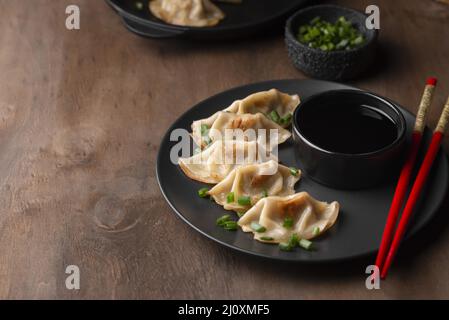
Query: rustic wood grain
82,114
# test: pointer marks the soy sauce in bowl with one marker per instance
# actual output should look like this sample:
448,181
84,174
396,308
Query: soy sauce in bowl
352,128
348,139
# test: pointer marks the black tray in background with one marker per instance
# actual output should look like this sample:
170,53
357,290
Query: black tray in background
242,20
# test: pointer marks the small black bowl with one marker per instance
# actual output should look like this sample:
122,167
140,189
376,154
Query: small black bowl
335,166
330,65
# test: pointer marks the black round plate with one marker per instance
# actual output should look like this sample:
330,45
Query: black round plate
241,20
363,213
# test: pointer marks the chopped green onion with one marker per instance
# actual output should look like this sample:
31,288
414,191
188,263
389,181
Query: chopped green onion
274,115
230,197
244,201
266,238
203,192
139,5
294,171
293,241
315,20
286,119
204,129
264,193
316,231
257,227
285,246
240,214
207,140
230,225
221,221
327,36
306,244
288,223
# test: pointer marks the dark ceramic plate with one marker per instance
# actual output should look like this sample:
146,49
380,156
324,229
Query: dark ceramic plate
249,17
358,229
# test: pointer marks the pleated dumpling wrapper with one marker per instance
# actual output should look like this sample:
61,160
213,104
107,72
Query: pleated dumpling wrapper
213,164
195,13
266,102
246,185
310,218
274,104
247,127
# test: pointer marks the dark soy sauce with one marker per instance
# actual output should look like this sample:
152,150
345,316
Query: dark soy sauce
349,129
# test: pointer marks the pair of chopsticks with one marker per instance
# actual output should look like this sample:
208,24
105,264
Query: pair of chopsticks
386,252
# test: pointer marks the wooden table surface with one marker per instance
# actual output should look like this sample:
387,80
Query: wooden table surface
82,114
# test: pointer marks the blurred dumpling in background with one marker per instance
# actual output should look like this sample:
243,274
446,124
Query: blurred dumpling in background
246,185
195,13
278,218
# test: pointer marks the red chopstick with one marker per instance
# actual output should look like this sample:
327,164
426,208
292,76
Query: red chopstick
406,173
417,187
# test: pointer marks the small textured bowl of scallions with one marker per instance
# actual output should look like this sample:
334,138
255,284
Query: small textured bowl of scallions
330,42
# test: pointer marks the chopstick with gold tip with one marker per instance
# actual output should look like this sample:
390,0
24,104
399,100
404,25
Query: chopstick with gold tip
417,187
406,173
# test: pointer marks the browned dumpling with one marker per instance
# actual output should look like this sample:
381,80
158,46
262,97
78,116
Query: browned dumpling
213,164
264,102
254,181
246,127
195,13
309,217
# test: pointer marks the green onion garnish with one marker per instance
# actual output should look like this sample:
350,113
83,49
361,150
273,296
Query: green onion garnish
204,129
207,140
203,192
274,115
288,223
230,197
240,214
293,241
221,221
266,238
244,201
326,36
230,225
285,246
306,244
294,171
316,231
286,119
139,5
257,227
264,193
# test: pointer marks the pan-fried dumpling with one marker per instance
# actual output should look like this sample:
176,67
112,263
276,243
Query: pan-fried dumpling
195,13
264,102
308,215
213,164
240,127
246,185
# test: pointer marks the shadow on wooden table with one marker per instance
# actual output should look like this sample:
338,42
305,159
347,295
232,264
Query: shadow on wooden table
389,60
